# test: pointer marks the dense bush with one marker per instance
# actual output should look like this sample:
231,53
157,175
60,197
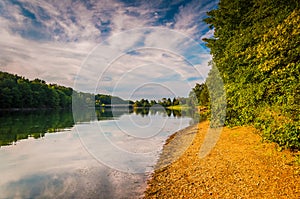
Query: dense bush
256,48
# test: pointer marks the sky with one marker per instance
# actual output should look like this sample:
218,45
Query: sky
132,49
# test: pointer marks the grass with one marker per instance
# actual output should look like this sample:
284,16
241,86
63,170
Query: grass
179,107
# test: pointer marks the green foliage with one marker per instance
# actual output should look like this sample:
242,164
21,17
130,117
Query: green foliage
201,93
256,49
143,103
279,128
175,102
217,99
165,102
18,92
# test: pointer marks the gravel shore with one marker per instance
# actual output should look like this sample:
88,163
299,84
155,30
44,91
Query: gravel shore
239,166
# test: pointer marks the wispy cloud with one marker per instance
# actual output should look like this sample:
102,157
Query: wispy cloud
189,19
57,41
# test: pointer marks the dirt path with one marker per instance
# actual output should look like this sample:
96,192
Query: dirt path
240,166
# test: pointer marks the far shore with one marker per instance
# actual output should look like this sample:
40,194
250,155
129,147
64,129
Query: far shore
31,109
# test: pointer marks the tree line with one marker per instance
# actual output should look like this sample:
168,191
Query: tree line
198,96
165,102
19,92
255,48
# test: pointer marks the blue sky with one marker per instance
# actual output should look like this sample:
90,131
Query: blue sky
128,48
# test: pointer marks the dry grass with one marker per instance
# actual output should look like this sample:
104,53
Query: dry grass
240,166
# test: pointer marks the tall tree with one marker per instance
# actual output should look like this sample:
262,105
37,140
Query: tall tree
256,49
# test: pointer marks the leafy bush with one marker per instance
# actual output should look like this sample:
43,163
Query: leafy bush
256,49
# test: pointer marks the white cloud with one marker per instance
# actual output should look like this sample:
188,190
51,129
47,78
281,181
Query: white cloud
69,31
119,70
53,62
189,20
208,34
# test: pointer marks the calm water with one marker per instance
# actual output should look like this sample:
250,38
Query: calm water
104,154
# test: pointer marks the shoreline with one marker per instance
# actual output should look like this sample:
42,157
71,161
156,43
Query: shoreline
175,145
240,165
164,157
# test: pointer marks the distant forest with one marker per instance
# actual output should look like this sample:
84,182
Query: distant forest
19,92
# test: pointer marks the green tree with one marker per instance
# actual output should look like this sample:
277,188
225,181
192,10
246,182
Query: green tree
169,102
175,102
153,102
26,93
256,49
18,92
202,94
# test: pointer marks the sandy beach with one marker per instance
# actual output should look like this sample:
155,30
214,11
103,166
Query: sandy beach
239,166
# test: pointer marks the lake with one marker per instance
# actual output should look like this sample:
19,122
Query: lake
107,153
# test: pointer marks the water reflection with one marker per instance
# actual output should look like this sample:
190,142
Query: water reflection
190,113
91,183
21,125
58,165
